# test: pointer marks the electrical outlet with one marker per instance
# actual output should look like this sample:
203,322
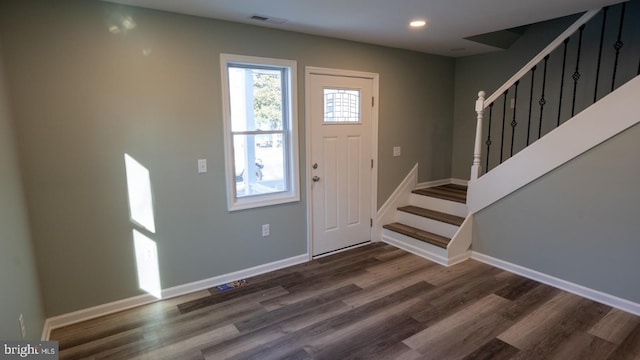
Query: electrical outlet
23,328
396,151
265,230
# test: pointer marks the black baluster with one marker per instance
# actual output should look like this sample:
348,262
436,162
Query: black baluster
576,74
533,77
514,123
489,136
542,101
504,119
564,62
618,45
604,22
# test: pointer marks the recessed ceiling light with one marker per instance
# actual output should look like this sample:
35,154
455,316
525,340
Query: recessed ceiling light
418,23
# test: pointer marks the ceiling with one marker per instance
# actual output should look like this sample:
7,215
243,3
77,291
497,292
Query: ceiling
385,22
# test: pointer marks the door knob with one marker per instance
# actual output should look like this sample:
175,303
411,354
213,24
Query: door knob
315,178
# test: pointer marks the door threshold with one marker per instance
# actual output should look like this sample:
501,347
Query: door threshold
341,250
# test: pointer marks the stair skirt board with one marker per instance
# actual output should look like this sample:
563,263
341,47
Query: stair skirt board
436,204
425,250
619,108
433,226
387,212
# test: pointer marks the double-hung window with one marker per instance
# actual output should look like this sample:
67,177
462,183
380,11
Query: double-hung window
261,147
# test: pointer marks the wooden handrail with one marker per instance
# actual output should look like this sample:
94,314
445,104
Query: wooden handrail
546,51
482,102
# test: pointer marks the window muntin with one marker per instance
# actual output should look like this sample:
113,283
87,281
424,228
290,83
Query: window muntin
341,105
260,140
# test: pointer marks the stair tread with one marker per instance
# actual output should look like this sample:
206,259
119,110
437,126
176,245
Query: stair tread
432,214
418,234
455,187
456,193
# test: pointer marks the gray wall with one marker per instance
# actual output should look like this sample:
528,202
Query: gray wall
577,223
83,97
18,274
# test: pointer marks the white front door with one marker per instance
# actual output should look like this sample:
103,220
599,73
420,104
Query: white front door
340,113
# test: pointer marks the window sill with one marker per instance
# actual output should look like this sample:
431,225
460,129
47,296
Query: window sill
253,202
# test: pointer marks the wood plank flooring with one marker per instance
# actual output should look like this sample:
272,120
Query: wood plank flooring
373,302
449,192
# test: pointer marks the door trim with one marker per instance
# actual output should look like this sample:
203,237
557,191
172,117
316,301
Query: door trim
309,70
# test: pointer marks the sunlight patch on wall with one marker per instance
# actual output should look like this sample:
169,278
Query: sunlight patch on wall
147,263
141,210
140,197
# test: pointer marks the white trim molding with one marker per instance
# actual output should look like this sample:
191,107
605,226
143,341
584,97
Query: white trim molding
458,248
595,295
400,196
435,183
124,304
461,182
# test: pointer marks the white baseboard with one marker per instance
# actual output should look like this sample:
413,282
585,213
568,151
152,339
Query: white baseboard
459,258
595,295
460,182
124,304
434,183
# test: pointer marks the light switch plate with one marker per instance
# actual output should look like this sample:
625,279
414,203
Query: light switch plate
396,151
202,166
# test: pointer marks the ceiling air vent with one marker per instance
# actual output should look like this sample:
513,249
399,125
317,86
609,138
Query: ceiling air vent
268,19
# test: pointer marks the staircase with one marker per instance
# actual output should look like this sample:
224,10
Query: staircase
427,225
524,130
534,123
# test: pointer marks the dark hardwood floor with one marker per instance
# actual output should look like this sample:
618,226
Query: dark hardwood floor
373,302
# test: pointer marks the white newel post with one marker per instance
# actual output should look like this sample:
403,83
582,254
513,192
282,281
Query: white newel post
475,168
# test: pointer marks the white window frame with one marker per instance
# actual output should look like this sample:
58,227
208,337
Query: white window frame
292,177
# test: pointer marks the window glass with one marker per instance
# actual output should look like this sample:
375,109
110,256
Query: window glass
256,98
260,140
341,105
260,166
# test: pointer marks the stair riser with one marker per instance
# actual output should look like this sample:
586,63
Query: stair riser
426,250
449,207
430,225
